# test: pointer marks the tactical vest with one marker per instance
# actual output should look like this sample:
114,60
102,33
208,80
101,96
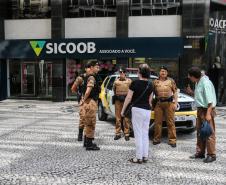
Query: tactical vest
163,87
122,86
94,94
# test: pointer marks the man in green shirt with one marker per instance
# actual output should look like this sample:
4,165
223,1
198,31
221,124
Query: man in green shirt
205,98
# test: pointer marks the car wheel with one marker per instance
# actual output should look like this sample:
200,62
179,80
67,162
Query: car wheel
102,116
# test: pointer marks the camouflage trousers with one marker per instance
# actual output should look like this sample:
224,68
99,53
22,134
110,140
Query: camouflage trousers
81,117
90,107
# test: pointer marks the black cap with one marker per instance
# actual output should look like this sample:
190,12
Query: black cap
91,63
121,69
164,67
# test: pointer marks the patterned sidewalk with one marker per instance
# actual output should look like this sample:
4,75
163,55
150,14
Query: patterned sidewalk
38,145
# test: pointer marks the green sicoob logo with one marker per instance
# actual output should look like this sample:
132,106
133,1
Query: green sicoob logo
37,46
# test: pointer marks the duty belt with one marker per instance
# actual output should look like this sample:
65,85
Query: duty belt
169,99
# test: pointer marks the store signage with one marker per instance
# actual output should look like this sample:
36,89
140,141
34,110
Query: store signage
223,2
169,47
70,48
217,25
37,46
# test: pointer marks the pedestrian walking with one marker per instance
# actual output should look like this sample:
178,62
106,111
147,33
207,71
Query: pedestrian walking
165,90
121,88
205,97
140,95
77,87
90,94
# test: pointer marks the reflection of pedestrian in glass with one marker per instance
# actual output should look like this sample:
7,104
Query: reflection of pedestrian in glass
205,98
214,73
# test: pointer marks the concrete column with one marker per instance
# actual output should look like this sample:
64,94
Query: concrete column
58,8
122,20
3,67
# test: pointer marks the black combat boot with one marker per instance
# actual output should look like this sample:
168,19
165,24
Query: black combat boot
90,145
80,134
85,141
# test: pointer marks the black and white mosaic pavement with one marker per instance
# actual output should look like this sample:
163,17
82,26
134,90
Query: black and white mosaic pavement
38,145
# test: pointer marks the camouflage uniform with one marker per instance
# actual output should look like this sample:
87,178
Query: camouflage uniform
90,109
164,92
76,87
121,87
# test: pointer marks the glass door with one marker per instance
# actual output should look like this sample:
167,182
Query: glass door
45,79
28,79
14,78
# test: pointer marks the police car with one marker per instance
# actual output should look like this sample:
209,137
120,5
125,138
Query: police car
185,115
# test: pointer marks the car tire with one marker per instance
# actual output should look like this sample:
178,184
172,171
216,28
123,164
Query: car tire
102,116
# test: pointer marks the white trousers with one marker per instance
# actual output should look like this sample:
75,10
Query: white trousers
140,121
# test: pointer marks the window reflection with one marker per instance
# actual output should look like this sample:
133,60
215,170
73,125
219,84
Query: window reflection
107,8
28,9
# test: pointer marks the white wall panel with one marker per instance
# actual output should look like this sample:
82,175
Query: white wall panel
100,27
155,26
28,29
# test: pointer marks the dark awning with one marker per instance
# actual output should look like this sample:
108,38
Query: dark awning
222,2
155,47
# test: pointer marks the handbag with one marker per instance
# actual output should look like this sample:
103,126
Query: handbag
113,99
154,102
154,99
205,130
128,110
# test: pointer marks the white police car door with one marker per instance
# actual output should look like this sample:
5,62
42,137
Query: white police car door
110,93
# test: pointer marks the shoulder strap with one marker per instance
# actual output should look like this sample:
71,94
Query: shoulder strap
141,94
154,89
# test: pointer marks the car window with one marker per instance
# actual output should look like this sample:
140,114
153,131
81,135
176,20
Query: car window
110,83
106,81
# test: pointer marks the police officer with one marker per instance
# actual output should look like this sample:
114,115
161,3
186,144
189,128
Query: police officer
121,87
90,94
77,87
166,93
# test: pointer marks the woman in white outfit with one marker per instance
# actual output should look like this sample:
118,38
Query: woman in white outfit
140,95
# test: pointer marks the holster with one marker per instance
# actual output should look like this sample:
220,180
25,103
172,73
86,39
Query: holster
170,99
120,98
